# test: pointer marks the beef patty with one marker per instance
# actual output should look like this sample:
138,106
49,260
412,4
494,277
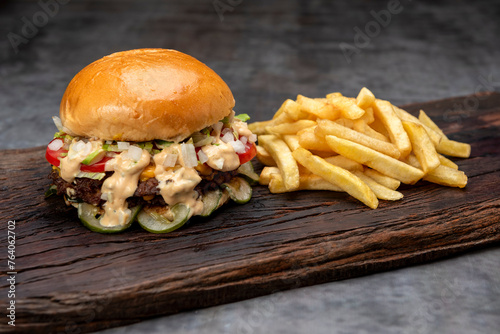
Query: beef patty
89,190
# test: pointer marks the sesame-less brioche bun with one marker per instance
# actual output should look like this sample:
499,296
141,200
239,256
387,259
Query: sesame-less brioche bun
144,94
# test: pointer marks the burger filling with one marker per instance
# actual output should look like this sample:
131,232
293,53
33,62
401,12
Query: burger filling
116,176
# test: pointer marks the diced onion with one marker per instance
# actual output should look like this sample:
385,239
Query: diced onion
238,146
134,153
252,138
80,148
244,139
202,156
123,145
218,126
189,155
170,160
87,148
56,145
219,163
228,137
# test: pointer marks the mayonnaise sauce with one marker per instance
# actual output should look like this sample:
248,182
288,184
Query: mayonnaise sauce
78,151
177,183
121,185
224,151
241,128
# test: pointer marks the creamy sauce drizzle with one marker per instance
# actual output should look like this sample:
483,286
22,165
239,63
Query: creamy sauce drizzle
70,164
121,185
224,151
241,128
177,184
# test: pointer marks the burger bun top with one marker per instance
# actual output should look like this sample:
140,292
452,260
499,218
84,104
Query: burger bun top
144,94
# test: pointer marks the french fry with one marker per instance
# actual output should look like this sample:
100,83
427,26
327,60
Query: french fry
324,154
368,117
259,128
280,152
363,145
348,107
346,163
304,171
265,175
384,180
374,159
348,123
406,116
384,111
309,140
378,189
442,175
344,179
365,98
361,126
282,108
423,148
292,141
281,119
335,94
413,161
318,108
454,148
447,176
422,117
326,127
447,162
379,127
290,128
264,156
285,107
294,110
307,182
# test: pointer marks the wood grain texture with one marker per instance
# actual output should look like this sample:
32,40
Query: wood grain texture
72,279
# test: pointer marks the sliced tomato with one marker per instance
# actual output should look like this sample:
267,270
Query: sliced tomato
54,156
250,152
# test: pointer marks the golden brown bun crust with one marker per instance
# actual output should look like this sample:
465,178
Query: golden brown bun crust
144,94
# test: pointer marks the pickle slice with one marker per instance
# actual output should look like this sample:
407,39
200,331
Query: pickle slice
211,202
239,190
155,221
224,198
90,217
246,170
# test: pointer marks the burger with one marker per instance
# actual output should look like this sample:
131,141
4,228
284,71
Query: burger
149,135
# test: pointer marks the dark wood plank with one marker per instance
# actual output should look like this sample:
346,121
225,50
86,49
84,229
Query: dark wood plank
69,276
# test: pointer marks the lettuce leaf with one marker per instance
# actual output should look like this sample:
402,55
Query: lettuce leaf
242,117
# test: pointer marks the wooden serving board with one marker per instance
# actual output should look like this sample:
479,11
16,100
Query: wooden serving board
69,278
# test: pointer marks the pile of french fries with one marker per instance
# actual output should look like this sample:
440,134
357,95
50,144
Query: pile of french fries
363,146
